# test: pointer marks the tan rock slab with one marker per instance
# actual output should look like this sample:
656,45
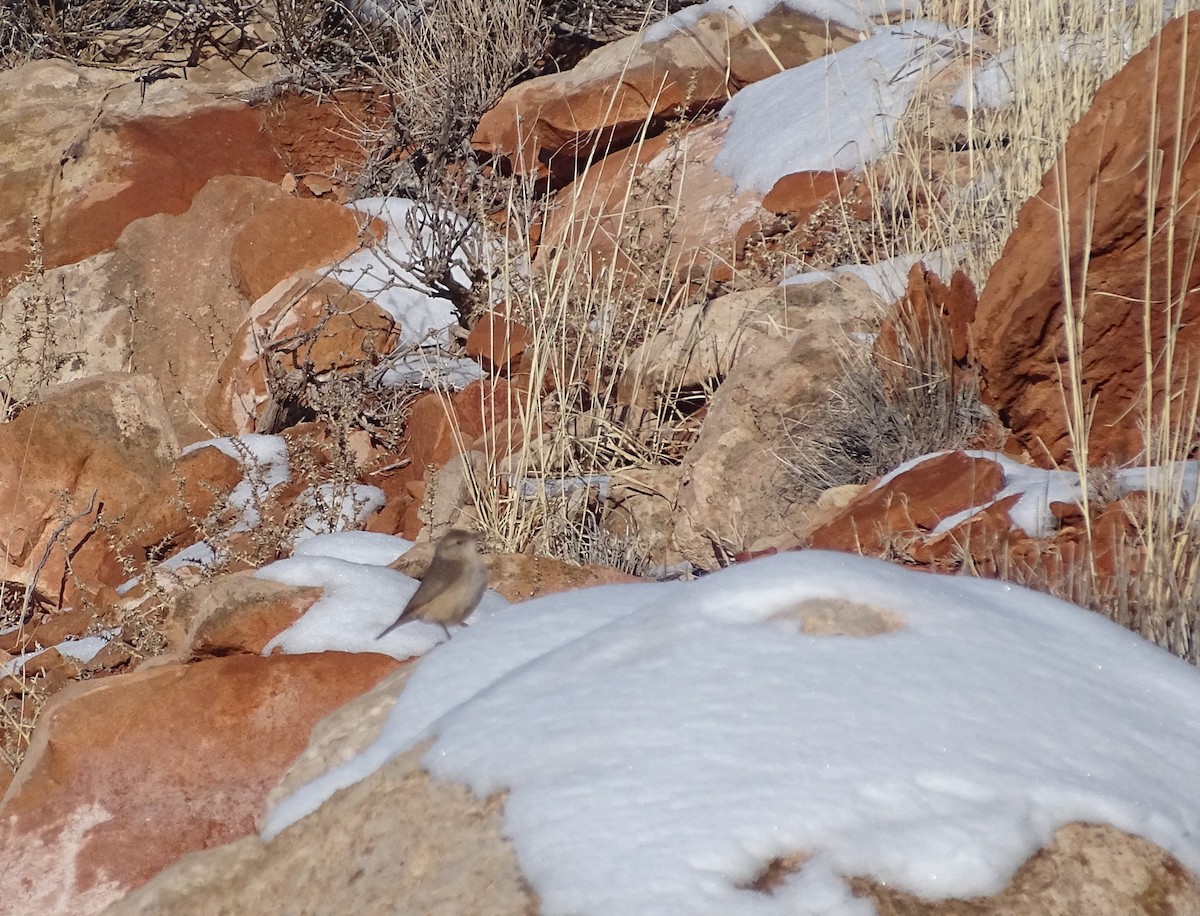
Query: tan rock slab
778,351
398,841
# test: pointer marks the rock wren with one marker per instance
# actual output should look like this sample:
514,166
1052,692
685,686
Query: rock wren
452,587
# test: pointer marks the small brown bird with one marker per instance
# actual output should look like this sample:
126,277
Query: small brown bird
453,585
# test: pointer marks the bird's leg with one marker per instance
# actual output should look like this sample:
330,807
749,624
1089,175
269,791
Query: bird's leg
444,630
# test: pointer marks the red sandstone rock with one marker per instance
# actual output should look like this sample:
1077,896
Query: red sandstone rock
288,235
1101,178
984,539
439,427
800,193
911,503
127,774
235,614
311,324
311,137
930,311
175,274
167,518
90,154
148,165
108,435
497,341
396,486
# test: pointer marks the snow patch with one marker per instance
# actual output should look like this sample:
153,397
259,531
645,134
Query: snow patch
661,743
837,112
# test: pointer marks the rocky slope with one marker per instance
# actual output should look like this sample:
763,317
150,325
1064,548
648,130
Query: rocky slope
166,253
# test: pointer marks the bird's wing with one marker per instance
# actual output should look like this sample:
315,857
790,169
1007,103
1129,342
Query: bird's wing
425,593
421,597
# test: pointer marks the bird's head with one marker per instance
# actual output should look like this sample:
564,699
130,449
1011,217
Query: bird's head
459,544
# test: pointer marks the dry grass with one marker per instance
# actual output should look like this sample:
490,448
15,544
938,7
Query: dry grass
1056,55
958,186
885,411
127,33
573,402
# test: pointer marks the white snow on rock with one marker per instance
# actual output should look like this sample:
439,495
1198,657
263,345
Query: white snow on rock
431,369
661,743
853,15
264,459
837,112
989,85
389,272
82,649
362,597
335,507
887,280
1039,487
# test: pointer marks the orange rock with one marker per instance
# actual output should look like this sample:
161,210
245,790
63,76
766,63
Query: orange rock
287,235
911,503
666,195
982,538
1018,330
320,326
497,341
166,519
55,629
91,156
930,313
397,490
310,134
800,193
440,426
180,266
234,614
107,435
127,774
519,576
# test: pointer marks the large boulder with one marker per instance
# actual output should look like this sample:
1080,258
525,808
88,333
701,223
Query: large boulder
772,352
1140,278
187,304
88,151
87,451
127,774
399,840
168,281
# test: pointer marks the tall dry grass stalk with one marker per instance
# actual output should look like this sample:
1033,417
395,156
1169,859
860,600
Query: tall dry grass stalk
1161,600
606,275
576,402
1050,57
